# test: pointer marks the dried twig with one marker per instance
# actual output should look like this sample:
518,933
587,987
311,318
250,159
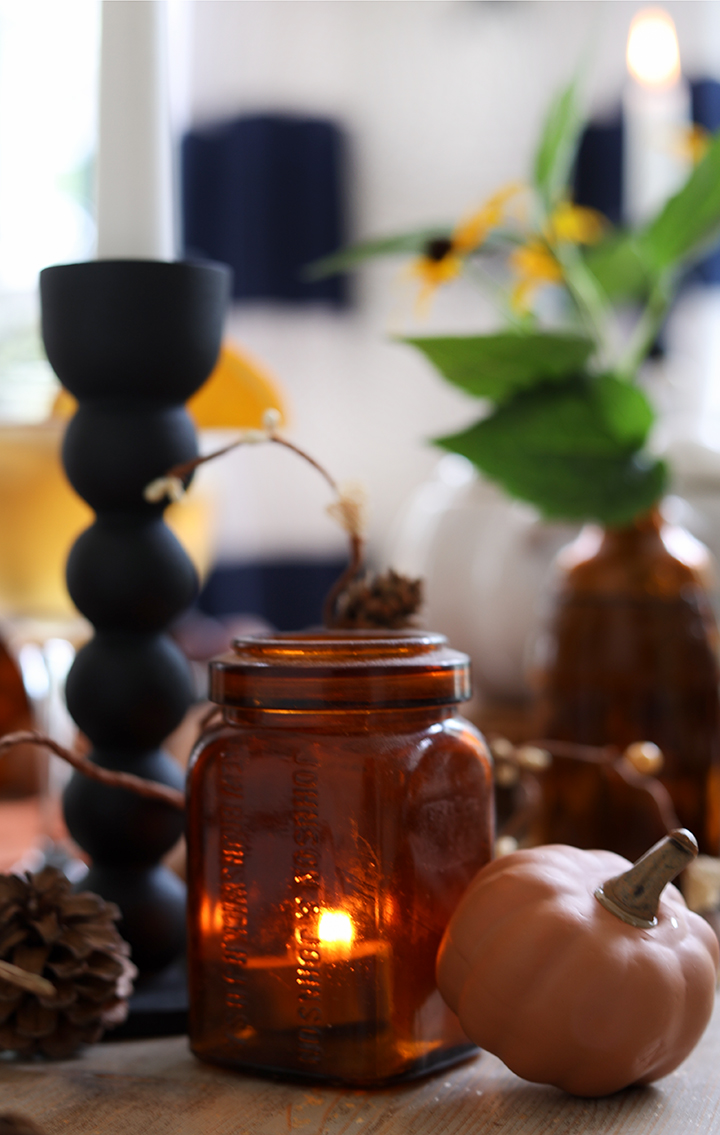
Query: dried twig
354,566
150,789
347,508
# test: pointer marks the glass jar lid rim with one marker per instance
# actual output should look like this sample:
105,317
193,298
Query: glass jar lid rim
340,667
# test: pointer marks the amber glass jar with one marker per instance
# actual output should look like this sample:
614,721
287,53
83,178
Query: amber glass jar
633,657
334,820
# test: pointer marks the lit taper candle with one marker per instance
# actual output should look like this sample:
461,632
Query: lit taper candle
656,104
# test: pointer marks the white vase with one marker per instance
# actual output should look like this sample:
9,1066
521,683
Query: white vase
485,560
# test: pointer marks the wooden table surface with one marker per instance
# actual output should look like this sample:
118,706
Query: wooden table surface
153,1087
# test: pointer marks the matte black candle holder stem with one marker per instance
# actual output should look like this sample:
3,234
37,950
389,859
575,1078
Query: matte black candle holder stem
131,340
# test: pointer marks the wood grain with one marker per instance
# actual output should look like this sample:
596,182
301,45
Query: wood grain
156,1087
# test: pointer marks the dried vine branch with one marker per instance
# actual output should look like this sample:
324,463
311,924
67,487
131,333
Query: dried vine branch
150,789
347,508
342,582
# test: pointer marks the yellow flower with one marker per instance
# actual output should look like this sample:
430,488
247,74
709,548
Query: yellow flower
575,224
471,233
692,143
442,259
535,265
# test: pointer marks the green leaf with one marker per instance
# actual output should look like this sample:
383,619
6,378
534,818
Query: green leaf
496,366
690,220
346,258
558,142
569,451
622,409
620,268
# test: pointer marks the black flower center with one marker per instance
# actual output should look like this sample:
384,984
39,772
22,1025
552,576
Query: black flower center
438,248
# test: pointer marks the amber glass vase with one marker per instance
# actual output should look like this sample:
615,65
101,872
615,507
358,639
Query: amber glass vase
633,657
335,818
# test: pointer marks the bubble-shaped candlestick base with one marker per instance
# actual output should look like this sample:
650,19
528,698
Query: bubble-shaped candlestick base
131,340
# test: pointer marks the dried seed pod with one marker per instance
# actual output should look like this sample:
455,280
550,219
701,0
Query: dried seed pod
382,601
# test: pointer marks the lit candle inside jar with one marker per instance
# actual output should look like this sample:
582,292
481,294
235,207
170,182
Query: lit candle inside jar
336,932
332,978
656,105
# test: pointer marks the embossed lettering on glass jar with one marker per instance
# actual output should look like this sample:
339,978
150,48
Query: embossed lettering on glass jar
335,818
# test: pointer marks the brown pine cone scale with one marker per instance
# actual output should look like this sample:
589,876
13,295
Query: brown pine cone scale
71,941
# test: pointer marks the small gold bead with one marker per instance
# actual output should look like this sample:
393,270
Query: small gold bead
506,774
501,748
505,845
645,757
532,758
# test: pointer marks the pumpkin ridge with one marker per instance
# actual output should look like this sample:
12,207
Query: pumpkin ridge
630,1016
540,1011
684,1040
509,989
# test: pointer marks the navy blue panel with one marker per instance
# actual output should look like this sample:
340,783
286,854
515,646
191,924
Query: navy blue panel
599,169
265,194
705,94
288,594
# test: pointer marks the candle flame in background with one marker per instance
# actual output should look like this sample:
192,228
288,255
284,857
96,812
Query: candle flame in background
336,930
653,55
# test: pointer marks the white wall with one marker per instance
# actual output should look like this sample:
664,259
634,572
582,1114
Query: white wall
442,101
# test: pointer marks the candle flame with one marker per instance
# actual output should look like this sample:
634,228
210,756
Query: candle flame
211,917
653,55
335,928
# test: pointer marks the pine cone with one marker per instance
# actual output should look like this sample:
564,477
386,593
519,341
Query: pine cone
70,940
380,601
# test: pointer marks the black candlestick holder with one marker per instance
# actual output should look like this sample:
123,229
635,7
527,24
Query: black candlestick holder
131,340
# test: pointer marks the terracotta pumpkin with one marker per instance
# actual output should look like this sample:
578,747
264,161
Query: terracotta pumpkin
576,979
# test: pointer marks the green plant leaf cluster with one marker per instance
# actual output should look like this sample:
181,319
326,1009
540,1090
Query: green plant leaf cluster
572,449
497,366
566,441
566,425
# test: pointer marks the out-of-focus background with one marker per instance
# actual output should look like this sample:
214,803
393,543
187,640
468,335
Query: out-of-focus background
424,109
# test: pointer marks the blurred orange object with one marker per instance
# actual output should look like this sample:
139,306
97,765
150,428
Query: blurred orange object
41,516
236,395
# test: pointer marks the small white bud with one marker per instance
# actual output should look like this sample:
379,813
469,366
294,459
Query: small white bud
271,419
161,487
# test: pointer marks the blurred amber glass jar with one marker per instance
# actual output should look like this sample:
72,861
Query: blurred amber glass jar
632,656
335,818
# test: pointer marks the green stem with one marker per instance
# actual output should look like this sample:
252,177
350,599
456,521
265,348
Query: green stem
646,329
498,296
587,297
